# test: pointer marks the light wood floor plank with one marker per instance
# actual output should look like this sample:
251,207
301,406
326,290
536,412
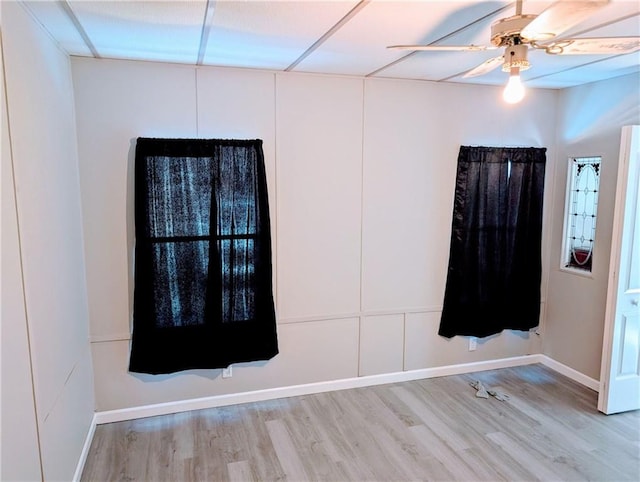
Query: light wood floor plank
286,451
449,458
521,456
433,429
451,433
336,434
240,472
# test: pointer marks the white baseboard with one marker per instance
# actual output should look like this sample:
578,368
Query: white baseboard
143,411
307,389
570,373
85,449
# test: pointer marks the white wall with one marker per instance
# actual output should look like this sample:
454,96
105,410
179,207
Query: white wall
49,258
361,175
20,459
590,118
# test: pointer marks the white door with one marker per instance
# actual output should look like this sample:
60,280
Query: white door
620,373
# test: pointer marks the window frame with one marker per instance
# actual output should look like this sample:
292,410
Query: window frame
566,224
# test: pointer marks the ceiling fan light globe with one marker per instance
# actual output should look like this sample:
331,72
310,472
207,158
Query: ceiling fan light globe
514,90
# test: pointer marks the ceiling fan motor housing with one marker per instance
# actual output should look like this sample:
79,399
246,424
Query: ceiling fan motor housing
516,56
504,30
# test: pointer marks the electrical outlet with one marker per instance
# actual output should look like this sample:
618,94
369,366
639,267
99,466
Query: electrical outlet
473,343
227,372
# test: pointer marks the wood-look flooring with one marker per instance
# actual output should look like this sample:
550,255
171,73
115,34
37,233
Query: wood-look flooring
434,429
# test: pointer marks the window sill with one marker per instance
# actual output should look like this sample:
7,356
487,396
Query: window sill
577,272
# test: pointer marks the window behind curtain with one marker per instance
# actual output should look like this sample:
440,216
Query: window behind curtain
494,274
203,289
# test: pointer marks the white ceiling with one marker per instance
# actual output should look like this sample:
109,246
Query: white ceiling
331,36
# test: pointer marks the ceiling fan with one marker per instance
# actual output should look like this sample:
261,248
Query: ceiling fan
521,32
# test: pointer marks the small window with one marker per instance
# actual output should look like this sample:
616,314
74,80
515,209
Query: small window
583,185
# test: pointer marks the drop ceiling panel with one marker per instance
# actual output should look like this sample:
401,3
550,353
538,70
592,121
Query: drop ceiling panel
60,27
273,34
269,34
360,46
167,31
598,69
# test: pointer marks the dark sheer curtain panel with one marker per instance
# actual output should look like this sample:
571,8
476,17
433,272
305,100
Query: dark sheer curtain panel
203,287
493,281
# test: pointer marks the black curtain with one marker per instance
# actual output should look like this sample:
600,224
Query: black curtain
493,280
203,287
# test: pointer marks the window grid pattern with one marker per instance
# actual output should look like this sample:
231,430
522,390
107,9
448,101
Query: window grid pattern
583,207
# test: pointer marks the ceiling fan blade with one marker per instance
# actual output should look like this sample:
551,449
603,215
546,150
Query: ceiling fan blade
590,46
560,17
485,67
435,48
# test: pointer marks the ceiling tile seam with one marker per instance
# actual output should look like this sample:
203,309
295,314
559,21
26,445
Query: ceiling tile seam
359,6
76,23
391,64
453,76
207,24
444,37
45,28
